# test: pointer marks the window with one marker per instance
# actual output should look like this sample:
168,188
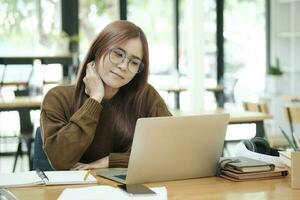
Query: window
156,18
245,46
209,38
29,27
94,15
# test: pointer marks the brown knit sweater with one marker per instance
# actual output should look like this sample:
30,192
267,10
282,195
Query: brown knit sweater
86,135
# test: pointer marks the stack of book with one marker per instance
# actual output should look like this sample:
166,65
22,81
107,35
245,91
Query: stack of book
244,169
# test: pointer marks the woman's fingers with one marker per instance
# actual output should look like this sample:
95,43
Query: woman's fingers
83,167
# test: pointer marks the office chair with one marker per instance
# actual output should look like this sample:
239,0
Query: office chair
40,160
256,107
26,130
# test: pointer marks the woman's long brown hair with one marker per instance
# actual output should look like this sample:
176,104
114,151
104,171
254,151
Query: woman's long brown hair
128,102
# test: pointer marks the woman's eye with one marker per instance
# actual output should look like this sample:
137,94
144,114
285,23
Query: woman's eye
118,53
135,63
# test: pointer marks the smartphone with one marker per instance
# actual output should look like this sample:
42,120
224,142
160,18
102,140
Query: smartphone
136,189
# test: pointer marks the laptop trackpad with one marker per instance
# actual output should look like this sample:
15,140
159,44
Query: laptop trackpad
114,174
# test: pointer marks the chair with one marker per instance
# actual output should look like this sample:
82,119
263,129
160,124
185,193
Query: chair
26,133
256,107
293,116
229,86
40,160
274,140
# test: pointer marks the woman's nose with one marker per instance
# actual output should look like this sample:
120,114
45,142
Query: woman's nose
124,65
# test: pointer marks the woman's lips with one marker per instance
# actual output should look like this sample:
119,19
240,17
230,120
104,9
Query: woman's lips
118,75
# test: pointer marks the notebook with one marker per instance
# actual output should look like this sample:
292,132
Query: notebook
243,164
32,178
108,192
276,173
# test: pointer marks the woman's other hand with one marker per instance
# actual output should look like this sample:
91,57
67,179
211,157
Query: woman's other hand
94,87
101,163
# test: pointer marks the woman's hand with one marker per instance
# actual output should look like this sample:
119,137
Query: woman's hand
93,84
101,163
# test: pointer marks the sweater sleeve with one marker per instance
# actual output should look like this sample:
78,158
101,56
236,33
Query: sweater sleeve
65,141
156,108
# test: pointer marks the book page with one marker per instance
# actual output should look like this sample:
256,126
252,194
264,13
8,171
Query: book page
108,192
20,179
68,177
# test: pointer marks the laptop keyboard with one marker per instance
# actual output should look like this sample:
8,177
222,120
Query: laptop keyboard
121,176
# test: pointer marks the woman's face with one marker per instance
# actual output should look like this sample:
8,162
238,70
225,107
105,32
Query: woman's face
117,75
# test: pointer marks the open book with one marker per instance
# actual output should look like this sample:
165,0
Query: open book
32,178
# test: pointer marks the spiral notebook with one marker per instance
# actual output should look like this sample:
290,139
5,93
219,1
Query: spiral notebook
32,178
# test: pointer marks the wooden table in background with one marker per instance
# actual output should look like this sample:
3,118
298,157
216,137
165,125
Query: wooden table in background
32,103
219,94
176,90
201,189
236,117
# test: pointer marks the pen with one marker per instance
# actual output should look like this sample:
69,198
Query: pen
288,139
296,140
86,174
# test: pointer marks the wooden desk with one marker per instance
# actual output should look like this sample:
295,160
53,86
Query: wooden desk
20,103
176,90
236,117
219,94
193,189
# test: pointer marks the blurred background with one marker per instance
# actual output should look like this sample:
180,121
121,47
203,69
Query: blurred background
204,55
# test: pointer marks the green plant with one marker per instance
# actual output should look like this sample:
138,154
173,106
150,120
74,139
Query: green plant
275,70
71,38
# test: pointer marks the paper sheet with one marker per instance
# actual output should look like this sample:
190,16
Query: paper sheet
109,193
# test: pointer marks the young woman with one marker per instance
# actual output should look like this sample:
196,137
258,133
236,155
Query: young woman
91,124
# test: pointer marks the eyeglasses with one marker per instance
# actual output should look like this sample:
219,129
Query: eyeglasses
118,56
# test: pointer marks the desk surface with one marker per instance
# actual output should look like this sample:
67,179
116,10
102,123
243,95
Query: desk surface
236,116
21,102
203,188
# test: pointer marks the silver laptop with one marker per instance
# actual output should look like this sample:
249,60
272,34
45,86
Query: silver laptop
173,148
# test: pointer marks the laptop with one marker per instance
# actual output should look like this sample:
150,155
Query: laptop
173,148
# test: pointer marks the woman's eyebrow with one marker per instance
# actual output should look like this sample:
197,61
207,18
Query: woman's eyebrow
132,56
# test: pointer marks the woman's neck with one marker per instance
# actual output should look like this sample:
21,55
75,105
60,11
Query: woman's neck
109,92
